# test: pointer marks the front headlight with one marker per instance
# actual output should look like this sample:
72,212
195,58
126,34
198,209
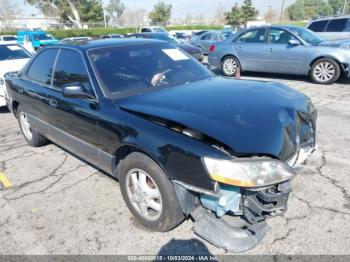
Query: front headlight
248,172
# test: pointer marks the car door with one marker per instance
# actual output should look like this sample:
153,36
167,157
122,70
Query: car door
34,82
250,47
283,57
73,121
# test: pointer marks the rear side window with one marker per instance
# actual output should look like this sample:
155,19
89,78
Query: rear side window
337,25
41,68
207,36
70,68
318,26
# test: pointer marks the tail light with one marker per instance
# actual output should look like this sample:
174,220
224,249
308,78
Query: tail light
212,48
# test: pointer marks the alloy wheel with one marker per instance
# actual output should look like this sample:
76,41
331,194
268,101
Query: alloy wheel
25,126
324,72
144,194
230,66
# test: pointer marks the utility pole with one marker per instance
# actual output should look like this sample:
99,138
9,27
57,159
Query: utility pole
282,9
104,16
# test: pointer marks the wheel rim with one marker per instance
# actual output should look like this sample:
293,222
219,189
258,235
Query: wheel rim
324,71
25,126
230,66
144,194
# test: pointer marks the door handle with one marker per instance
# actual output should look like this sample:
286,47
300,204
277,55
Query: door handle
239,48
269,50
53,102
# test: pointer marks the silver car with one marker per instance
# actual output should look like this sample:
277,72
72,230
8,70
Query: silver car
205,40
283,49
331,28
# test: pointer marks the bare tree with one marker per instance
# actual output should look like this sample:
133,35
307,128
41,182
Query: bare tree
270,15
8,10
133,17
220,15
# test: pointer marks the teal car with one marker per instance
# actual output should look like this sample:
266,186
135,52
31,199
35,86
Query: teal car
33,40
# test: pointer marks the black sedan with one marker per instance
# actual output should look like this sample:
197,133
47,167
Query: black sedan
190,49
182,142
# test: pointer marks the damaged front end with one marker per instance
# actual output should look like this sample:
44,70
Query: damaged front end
234,216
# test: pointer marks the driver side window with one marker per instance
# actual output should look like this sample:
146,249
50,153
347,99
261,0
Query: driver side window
69,69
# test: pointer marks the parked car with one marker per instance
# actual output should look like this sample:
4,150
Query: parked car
181,141
75,39
331,28
112,36
12,58
33,40
153,29
209,38
190,49
8,39
283,49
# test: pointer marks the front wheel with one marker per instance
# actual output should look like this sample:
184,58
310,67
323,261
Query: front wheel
229,66
148,193
32,137
325,71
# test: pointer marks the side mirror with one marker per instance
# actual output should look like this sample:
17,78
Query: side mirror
294,42
75,90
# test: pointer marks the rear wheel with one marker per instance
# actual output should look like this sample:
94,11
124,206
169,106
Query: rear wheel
325,71
229,66
32,137
148,193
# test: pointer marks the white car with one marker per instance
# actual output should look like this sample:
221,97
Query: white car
153,29
12,58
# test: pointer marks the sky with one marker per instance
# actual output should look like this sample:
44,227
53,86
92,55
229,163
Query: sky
183,7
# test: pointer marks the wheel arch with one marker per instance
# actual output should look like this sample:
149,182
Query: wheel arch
341,65
234,56
15,105
126,149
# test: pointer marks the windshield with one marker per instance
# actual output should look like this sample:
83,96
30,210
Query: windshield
134,68
9,38
39,37
308,36
9,52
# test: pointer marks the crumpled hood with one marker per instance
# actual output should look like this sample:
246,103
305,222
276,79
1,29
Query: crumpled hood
335,43
12,65
249,117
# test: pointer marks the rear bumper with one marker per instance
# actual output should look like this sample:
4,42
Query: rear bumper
214,61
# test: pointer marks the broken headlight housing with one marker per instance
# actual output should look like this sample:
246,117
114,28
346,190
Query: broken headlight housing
250,172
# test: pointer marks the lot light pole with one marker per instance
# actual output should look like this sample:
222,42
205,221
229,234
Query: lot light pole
282,9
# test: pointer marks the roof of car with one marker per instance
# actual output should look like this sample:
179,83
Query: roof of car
330,18
86,45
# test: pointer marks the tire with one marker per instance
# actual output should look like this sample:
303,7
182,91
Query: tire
325,71
229,66
32,137
133,168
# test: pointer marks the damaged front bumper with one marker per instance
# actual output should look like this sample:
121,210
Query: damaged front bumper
234,218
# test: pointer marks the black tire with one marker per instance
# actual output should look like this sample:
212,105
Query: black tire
225,72
36,139
316,67
171,214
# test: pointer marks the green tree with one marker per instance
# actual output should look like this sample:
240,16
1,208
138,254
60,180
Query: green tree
91,10
234,17
161,13
306,9
115,9
248,11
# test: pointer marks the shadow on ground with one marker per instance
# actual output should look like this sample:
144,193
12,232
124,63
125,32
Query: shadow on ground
177,247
